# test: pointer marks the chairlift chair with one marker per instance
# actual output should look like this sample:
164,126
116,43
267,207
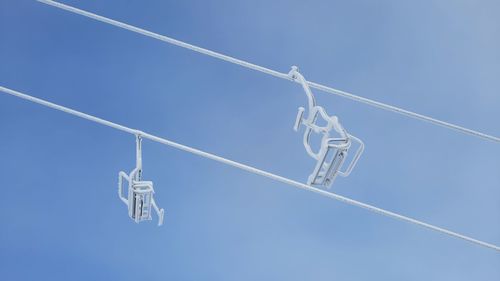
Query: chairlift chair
333,151
140,200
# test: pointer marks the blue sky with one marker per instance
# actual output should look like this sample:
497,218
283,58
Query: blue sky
62,220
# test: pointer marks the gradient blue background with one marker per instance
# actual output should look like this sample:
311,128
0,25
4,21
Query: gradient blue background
60,215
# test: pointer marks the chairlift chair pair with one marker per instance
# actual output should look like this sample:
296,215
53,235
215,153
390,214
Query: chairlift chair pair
330,157
332,153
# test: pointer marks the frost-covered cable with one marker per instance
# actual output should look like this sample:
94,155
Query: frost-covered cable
248,168
272,72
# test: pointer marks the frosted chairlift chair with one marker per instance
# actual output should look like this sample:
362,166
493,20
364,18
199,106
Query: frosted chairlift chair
333,150
139,201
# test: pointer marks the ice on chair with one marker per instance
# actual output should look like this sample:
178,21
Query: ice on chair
333,151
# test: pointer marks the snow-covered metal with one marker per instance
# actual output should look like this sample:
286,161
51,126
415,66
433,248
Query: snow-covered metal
333,150
139,200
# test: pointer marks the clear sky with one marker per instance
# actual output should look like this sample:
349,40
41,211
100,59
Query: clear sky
60,215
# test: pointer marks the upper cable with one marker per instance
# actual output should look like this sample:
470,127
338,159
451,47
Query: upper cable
274,73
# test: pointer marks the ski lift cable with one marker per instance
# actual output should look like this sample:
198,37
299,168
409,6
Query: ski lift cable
265,70
248,168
